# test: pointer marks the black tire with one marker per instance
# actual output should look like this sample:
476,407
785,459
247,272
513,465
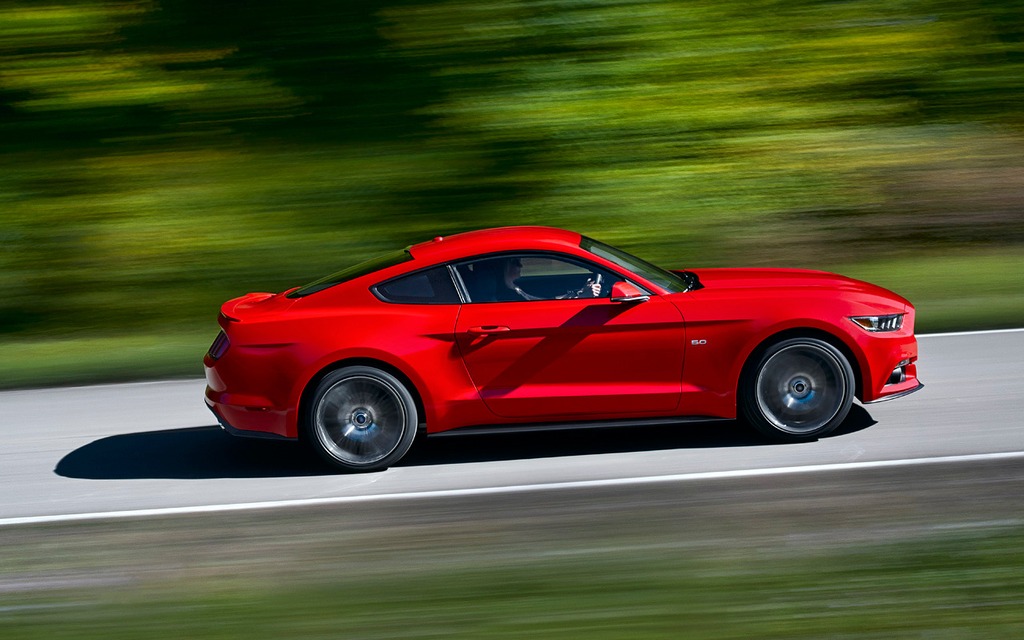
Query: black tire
800,389
361,419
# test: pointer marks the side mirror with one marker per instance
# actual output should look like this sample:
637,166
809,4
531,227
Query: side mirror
623,291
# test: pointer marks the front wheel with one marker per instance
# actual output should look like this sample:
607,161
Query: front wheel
800,389
361,419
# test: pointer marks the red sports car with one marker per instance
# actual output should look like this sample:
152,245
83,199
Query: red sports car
531,326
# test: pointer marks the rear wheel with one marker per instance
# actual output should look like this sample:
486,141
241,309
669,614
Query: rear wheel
800,389
361,419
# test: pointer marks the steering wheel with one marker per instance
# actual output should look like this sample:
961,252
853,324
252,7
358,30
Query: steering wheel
578,293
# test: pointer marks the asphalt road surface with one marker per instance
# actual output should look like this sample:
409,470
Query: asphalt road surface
152,448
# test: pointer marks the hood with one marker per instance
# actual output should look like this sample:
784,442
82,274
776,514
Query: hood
790,280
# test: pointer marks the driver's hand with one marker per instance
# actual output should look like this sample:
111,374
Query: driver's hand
595,289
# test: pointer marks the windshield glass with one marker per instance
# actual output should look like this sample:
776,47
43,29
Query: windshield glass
353,272
664,279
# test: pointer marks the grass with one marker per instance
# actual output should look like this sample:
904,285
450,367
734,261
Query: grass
950,586
966,290
91,360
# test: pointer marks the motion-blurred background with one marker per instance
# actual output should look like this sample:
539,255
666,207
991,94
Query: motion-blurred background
159,157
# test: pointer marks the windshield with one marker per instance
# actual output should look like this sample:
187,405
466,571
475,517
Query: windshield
353,272
664,279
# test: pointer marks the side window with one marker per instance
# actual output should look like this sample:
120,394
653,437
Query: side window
513,278
430,286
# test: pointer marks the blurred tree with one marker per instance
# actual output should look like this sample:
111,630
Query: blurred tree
718,124
159,156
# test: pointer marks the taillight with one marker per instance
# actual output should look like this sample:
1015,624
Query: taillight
219,346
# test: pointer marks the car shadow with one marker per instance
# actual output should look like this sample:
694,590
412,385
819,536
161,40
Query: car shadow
192,454
207,452
578,442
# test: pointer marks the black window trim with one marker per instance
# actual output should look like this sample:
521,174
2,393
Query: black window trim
377,293
460,286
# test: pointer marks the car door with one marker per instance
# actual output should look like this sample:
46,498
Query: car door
542,352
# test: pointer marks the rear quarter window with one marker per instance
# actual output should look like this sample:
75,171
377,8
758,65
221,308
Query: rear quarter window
430,286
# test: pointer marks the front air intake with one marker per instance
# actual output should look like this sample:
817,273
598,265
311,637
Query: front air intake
897,376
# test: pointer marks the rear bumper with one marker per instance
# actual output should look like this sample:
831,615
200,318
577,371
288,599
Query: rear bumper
246,414
253,403
243,433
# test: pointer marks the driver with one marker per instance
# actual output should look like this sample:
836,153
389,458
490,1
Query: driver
510,291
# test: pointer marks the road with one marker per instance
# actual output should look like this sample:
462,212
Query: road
153,448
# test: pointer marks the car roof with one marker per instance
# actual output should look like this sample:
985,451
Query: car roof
460,245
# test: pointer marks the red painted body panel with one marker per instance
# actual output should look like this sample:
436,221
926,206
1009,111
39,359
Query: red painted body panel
566,358
676,354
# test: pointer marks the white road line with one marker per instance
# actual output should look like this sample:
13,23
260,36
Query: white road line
486,491
968,333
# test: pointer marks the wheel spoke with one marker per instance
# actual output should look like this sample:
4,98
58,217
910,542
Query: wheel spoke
801,388
360,420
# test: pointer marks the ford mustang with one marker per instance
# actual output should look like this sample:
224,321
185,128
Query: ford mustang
531,327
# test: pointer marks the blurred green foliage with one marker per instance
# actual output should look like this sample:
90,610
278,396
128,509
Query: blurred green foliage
961,585
161,156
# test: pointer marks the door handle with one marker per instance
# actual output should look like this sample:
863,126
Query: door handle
488,330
